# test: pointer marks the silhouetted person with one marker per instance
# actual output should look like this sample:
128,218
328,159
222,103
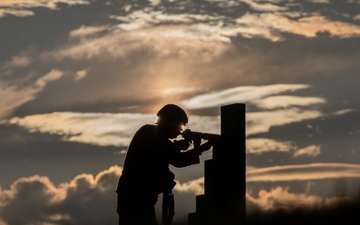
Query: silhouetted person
146,171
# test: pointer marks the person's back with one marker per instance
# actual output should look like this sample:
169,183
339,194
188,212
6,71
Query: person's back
141,153
136,191
146,163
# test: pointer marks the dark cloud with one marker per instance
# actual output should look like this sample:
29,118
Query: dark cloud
81,201
86,199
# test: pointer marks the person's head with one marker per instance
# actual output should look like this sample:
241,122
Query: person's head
171,120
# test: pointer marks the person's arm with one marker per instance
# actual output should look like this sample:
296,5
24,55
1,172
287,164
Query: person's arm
180,158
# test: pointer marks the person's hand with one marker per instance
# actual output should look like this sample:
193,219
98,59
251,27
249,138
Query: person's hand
183,144
205,147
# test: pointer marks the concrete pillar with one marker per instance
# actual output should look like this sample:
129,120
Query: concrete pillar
224,199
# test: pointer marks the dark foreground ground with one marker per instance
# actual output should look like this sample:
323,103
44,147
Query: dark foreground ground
344,214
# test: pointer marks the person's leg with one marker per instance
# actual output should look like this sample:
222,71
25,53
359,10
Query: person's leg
147,215
136,213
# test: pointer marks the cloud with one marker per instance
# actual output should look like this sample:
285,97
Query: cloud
85,31
117,128
51,76
16,96
311,150
267,7
285,109
182,25
319,1
343,111
259,146
114,45
15,12
193,186
309,26
106,129
270,21
284,101
281,198
34,3
103,129
81,74
30,196
313,171
81,200
259,122
93,128
240,94
177,44
24,7
78,202
221,26
23,59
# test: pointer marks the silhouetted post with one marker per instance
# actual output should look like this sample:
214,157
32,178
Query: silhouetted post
224,199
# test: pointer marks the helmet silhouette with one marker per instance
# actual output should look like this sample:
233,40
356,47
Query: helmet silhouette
173,114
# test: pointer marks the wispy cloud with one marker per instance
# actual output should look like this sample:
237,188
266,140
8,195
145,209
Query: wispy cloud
285,101
93,128
311,150
15,12
17,61
25,7
247,94
16,96
85,31
117,129
284,109
263,145
113,45
105,129
313,171
258,146
343,111
319,1
264,6
259,122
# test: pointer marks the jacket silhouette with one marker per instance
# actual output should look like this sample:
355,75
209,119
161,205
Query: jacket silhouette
146,171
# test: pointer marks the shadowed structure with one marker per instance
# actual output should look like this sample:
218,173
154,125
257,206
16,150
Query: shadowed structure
223,201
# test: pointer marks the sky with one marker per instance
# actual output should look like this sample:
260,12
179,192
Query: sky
79,77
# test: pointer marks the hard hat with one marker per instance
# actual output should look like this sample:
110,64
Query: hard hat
172,113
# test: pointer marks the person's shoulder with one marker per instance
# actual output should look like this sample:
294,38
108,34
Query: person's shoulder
148,128
146,132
